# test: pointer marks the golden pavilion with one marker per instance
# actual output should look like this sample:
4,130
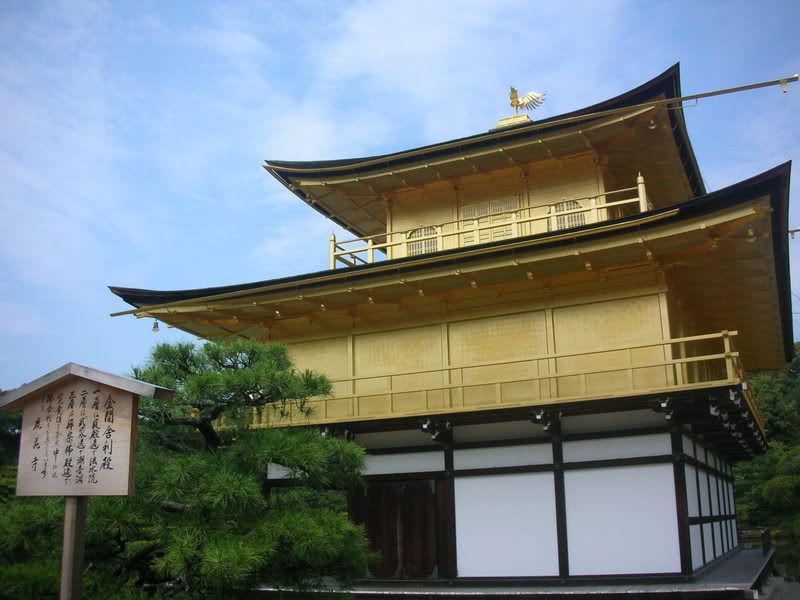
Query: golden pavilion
540,334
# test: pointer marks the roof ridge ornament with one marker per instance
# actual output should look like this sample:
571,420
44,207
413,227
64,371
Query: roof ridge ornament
529,101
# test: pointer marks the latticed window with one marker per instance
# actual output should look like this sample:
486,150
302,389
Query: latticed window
421,246
503,206
475,211
494,218
569,220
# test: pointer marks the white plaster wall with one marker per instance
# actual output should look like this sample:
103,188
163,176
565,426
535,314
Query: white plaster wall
705,502
503,456
394,439
708,533
726,541
622,520
714,495
498,431
612,421
688,446
724,507
730,498
619,447
691,491
697,546
506,525
405,462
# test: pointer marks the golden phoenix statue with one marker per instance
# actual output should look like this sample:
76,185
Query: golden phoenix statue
529,101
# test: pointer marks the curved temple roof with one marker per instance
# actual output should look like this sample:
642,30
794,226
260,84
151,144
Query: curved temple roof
351,192
768,278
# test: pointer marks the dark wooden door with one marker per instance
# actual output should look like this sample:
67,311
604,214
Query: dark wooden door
401,524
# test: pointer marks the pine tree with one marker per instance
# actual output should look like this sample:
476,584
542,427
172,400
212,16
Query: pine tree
205,520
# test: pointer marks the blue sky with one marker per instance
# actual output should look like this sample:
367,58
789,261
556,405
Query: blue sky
132,133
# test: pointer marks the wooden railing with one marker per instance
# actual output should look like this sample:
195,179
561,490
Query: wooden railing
738,372
489,227
675,364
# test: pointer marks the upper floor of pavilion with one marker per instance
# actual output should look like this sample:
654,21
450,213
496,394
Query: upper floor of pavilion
590,234
621,157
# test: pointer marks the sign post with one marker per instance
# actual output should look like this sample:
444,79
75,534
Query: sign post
78,440
72,553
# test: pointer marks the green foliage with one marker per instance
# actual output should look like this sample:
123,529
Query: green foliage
233,376
31,579
205,521
10,424
768,487
8,480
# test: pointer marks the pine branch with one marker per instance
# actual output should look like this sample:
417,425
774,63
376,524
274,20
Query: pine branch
203,423
209,434
144,553
189,421
175,506
172,444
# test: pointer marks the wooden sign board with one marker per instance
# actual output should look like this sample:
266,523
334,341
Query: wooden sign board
78,440
78,432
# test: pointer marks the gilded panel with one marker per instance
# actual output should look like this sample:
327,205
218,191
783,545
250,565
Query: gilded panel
500,338
394,352
476,342
606,325
325,356
571,179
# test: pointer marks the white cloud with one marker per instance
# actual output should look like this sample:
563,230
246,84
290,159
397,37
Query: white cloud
444,64
60,201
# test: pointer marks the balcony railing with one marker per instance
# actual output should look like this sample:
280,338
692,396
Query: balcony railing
492,226
676,364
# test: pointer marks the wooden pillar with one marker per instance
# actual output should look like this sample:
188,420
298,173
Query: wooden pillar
681,500
446,512
72,555
728,350
561,498
332,252
642,193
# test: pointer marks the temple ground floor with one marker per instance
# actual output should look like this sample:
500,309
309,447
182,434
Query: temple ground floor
628,494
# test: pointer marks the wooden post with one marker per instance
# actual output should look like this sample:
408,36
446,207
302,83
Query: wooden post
726,341
631,378
642,193
72,554
332,257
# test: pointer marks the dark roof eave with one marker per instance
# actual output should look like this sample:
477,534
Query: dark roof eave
774,182
666,84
